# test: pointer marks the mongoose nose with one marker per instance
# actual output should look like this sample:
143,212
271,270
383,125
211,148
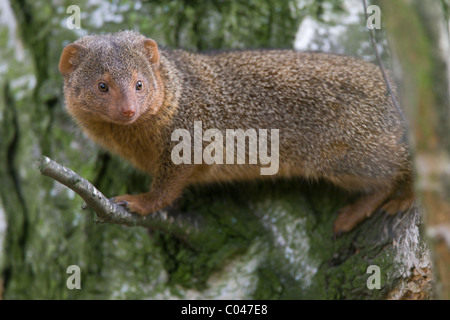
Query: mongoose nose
128,112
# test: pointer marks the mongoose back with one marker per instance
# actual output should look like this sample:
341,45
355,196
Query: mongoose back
335,120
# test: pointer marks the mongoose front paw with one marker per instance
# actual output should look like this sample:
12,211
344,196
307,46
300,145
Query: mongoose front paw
134,203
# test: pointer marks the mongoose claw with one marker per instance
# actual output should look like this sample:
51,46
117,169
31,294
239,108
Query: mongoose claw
122,203
133,203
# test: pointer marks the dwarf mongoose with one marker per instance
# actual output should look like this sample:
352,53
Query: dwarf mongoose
333,116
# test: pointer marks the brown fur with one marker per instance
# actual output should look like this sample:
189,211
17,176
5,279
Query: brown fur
335,119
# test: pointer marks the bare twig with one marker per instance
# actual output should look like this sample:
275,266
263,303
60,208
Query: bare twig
182,224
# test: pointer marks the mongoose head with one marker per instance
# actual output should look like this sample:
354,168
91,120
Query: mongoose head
112,78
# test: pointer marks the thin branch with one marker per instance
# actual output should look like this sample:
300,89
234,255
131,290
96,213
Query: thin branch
380,63
182,224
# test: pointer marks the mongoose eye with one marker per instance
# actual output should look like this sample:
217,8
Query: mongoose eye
139,85
103,87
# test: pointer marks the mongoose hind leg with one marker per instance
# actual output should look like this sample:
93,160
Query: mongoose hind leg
402,201
390,200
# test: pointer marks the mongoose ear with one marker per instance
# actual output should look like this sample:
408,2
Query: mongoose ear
70,58
151,48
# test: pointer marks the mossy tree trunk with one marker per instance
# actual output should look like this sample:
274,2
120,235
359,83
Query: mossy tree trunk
271,240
